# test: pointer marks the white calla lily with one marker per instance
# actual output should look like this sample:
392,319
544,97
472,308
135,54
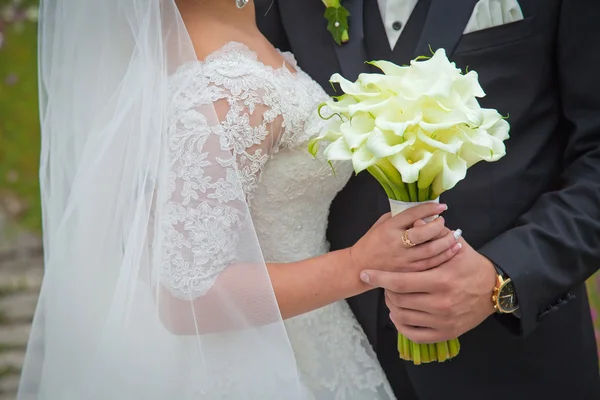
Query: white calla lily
454,170
468,86
357,130
430,171
416,128
436,118
384,144
389,68
453,146
354,89
409,163
398,119
495,124
340,105
373,105
362,159
382,83
331,135
338,150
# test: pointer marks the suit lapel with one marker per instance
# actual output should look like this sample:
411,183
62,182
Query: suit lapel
352,55
445,23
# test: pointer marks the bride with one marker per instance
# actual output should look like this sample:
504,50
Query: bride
184,219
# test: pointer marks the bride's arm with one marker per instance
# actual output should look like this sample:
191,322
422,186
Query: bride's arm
299,287
309,284
306,285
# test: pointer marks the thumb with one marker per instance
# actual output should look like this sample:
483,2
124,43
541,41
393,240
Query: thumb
398,282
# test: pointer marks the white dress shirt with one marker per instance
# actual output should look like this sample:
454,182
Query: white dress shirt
395,14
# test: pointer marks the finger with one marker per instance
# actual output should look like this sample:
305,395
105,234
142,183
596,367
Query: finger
443,233
407,218
420,335
419,223
426,232
436,261
410,301
433,248
413,318
399,282
420,302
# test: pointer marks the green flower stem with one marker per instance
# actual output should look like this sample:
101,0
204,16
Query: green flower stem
412,190
401,349
434,194
404,190
427,353
432,351
424,194
454,346
416,350
404,347
425,357
395,179
443,351
383,180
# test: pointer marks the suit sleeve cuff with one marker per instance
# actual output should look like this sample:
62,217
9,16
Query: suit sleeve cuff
514,264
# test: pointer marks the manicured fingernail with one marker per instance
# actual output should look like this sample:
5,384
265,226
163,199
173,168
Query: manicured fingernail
457,247
443,207
457,234
365,277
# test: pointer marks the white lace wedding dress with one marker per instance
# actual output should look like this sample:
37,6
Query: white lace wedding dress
268,115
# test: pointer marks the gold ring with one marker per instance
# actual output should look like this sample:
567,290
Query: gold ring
406,241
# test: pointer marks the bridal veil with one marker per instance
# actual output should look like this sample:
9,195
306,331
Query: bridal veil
150,291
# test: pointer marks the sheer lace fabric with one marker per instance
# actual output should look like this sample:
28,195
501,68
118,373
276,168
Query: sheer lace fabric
265,117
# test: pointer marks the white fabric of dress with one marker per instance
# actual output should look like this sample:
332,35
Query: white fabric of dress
267,116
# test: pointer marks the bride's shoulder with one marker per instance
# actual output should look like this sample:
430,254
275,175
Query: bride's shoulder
224,71
228,51
232,56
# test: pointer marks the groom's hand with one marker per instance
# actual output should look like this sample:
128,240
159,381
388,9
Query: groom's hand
440,303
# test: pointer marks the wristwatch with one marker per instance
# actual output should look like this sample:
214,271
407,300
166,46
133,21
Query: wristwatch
504,296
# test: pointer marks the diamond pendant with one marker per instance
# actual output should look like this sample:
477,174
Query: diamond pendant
241,3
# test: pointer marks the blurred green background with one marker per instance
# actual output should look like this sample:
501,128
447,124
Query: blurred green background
19,197
19,122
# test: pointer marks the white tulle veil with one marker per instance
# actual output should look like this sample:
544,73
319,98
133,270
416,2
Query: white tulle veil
106,327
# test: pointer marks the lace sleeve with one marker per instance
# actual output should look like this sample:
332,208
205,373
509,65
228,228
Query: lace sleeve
221,135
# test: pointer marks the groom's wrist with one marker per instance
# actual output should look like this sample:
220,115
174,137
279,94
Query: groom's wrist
511,289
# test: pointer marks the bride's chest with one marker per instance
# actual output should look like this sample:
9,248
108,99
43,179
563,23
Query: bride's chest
291,203
294,175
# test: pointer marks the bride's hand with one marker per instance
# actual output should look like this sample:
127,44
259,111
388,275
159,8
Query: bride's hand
382,246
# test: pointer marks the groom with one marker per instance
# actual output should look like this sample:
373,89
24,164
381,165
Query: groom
533,217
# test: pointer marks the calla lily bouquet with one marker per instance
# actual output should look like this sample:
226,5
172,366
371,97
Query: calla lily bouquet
416,129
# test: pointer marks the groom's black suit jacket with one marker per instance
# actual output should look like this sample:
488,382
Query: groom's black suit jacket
535,213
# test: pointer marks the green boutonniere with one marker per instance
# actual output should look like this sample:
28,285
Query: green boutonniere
337,20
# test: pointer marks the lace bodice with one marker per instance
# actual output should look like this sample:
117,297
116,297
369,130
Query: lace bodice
239,134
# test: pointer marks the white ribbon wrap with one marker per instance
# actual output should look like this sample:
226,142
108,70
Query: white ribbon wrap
398,206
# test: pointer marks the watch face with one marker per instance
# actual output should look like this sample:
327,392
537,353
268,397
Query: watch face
507,298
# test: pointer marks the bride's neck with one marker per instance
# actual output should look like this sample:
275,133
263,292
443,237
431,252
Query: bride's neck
219,11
